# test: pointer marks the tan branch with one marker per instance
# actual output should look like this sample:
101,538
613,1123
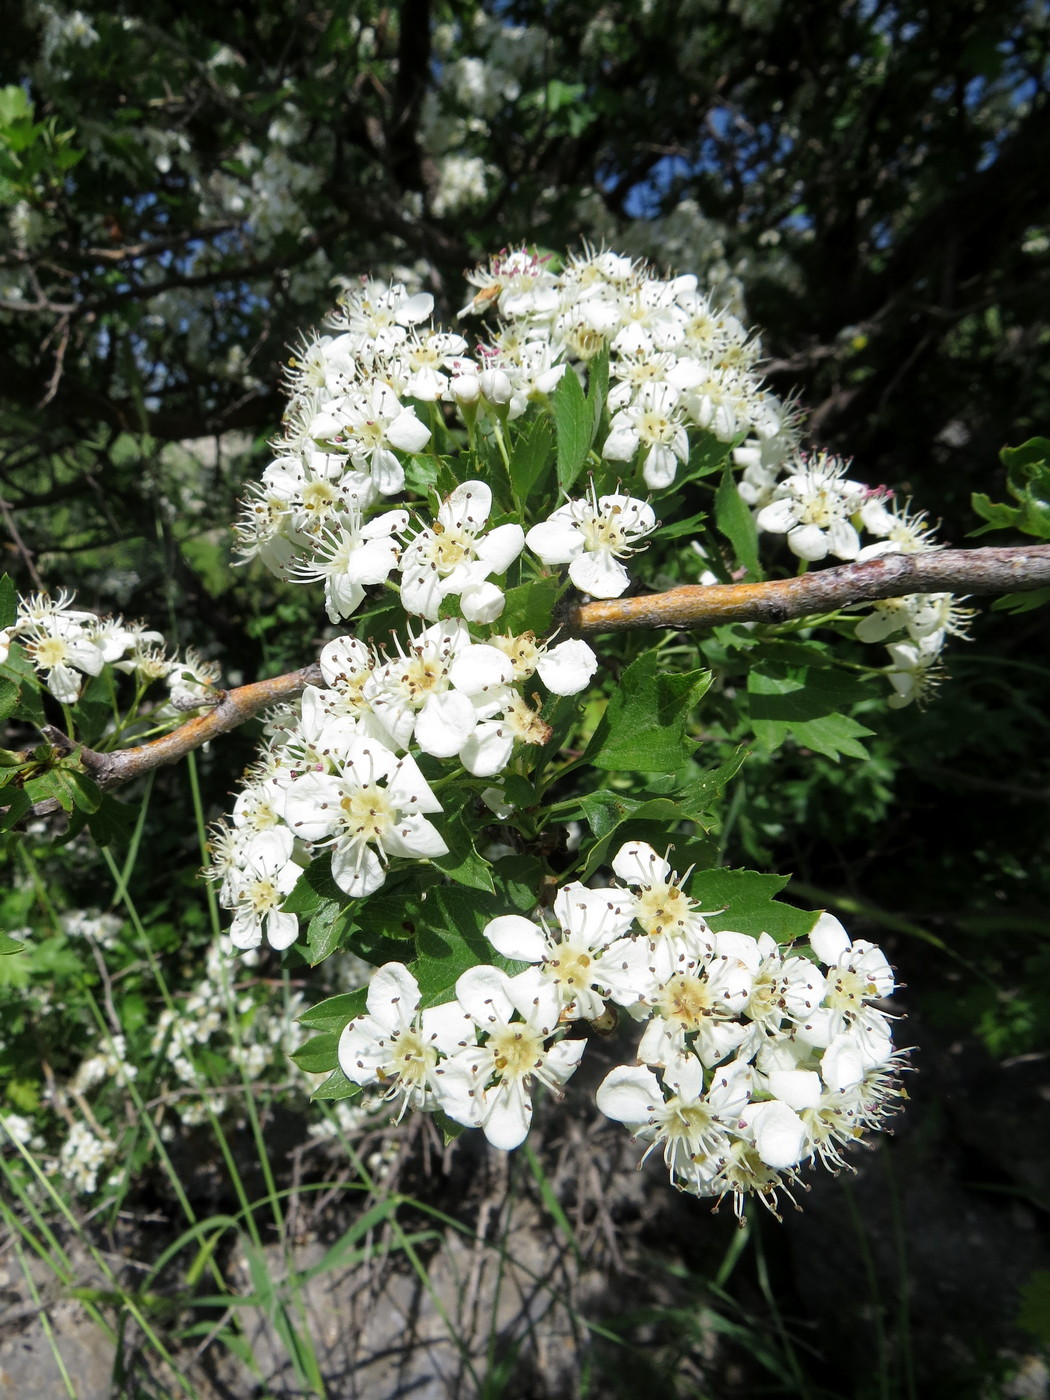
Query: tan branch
963,571
231,709
972,571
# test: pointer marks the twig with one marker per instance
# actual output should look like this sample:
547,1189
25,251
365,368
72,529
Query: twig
965,571
20,544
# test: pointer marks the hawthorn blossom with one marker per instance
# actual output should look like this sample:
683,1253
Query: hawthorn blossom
373,425
349,556
518,1016
592,536
812,507
397,1045
438,689
655,423
570,956
694,1126
453,558
258,889
666,913
371,808
63,654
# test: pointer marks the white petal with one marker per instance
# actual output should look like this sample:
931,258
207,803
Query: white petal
393,995
630,1094
468,506
445,723
407,433
516,937
357,873
506,1124
779,1132
555,541
282,930
479,666
501,547
828,939
620,445
798,1088
481,602
808,542
599,574
415,838
567,668
483,991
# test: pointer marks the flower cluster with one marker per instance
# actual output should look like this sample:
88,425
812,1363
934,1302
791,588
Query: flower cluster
66,644
337,775
822,513
754,1060
675,363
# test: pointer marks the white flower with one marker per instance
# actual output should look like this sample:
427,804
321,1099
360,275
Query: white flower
518,1016
903,531
592,536
439,688
374,425
451,559
350,556
694,1127
813,507
398,1046
857,973
570,957
268,874
915,671
369,809
666,913
567,668
700,1004
64,656
655,423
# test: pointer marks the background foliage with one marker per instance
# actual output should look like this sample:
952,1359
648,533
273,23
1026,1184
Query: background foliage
181,185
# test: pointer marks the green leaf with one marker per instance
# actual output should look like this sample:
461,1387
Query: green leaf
30,706
9,693
689,526
1028,481
643,728
807,704
324,932
573,424
17,804
48,787
314,887
8,596
750,904
112,822
1021,602
319,1054
597,389
15,106
462,864
337,1086
453,942
530,608
614,817
10,945
1034,1313
734,519
85,793
519,881
334,1013
531,461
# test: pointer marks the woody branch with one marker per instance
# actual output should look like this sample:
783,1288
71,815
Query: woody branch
974,572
